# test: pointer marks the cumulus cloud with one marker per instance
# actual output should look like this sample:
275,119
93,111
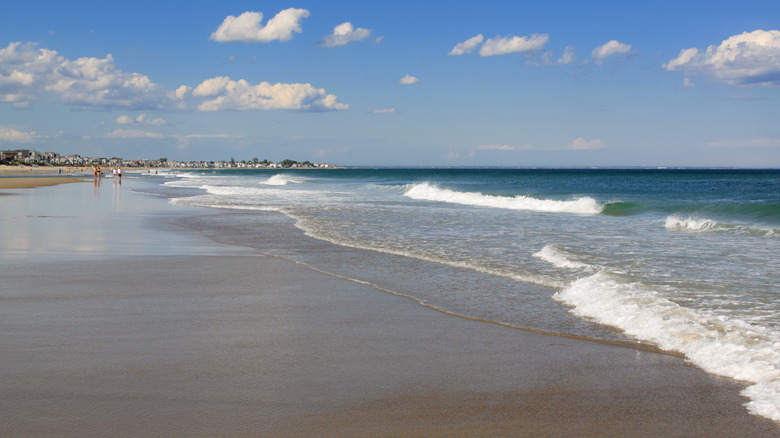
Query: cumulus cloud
503,46
467,46
223,93
132,133
580,144
746,59
141,119
248,27
608,49
344,34
408,80
9,134
26,72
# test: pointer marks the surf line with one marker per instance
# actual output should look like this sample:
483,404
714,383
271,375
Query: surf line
635,346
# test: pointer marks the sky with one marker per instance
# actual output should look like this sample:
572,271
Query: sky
401,83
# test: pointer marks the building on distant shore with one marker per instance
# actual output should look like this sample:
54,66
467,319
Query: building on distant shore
32,157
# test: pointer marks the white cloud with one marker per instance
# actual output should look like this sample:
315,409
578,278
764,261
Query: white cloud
211,87
740,143
385,111
580,144
126,120
685,57
608,49
17,78
182,91
746,59
344,34
132,133
408,80
8,134
566,58
247,27
26,72
515,44
223,93
154,122
467,46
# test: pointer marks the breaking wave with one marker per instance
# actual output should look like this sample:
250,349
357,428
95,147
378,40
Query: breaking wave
696,225
430,192
281,179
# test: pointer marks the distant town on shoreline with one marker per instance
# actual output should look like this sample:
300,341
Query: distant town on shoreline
31,157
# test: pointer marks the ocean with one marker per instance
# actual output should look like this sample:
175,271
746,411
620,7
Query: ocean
684,260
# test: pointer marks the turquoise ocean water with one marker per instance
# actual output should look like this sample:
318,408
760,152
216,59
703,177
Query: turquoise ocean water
685,260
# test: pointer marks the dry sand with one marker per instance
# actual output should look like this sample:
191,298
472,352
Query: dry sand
244,345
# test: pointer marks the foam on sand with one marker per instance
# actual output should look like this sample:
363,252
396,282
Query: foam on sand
718,344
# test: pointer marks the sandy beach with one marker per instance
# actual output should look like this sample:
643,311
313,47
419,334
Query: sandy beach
117,323
26,177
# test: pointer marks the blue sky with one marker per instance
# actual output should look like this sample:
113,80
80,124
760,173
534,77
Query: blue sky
499,83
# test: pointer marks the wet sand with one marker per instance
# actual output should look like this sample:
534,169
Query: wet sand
29,182
151,330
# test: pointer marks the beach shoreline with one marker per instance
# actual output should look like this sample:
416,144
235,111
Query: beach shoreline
197,342
29,182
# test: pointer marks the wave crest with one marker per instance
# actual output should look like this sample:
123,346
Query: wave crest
695,225
280,179
560,258
431,192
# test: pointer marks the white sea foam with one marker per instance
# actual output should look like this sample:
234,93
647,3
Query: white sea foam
696,225
188,182
312,230
558,257
281,179
717,344
675,223
201,201
431,192
235,191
